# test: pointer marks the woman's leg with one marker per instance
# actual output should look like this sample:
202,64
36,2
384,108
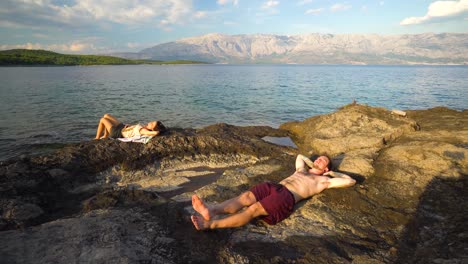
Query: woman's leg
100,129
106,133
111,118
105,125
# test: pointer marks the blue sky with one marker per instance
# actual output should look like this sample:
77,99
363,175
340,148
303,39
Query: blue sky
103,26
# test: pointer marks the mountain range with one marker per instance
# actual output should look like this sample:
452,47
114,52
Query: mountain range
428,48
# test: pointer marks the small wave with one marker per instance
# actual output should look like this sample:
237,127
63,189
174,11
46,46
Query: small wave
30,150
45,146
42,136
45,135
8,139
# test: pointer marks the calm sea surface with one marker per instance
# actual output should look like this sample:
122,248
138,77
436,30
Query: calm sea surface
44,107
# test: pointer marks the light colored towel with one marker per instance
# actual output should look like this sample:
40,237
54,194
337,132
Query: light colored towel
138,139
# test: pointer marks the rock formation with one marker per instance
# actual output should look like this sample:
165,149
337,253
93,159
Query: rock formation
111,202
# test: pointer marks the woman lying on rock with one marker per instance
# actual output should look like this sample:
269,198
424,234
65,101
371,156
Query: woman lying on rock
109,126
270,201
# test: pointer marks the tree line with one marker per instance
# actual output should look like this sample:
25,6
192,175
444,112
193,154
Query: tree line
44,57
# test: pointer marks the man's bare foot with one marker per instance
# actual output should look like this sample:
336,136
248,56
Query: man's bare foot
200,207
200,223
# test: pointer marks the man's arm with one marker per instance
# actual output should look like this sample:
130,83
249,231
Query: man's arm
339,180
301,163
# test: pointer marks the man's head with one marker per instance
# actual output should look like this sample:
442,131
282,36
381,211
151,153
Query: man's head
321,165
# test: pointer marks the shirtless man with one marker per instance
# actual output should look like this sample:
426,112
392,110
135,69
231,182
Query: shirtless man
270,201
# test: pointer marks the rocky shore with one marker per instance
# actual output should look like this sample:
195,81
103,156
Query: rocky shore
112,202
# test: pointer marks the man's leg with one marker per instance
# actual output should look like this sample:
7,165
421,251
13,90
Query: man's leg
227,207
235,220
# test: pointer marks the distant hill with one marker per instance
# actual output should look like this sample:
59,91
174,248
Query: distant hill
43,57
446,48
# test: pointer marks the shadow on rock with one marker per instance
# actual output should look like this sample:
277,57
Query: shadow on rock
302,249
123,197
438,233
190,245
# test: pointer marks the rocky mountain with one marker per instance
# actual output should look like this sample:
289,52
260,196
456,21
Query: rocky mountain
429,48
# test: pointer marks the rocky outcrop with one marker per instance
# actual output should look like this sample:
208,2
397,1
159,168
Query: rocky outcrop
112,202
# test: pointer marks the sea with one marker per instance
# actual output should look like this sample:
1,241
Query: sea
45,108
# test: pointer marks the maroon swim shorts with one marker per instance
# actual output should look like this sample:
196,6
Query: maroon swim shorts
276,199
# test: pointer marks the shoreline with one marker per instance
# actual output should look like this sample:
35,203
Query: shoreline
51,147
247,64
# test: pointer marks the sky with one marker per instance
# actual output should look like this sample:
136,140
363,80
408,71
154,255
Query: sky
106,26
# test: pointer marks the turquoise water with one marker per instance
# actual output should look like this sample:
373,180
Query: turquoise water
44,107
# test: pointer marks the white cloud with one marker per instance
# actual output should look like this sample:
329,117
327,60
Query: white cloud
304,2
74,47
200,14
439,10
314,11
13,24
133,45
86,45
137,45
21,46
381,3
229,23
39,35
339,7
77,47
225,2
93,13
270,4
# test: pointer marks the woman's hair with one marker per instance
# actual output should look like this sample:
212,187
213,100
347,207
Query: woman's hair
159,127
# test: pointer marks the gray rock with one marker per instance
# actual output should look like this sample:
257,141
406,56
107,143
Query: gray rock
18,212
